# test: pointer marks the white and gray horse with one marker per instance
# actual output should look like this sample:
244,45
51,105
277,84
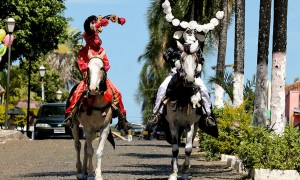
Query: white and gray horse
182,103
95,115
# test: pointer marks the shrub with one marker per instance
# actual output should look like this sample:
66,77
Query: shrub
265,149
234,124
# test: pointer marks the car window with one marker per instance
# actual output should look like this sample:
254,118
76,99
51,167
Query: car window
53,111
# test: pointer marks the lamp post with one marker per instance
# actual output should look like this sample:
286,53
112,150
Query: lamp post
58,95
10,25
42,71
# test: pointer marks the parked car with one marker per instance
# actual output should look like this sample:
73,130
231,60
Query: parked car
137,129
50,121
158,133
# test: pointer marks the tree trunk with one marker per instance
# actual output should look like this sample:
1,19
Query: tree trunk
261,96
278,120
238,85
219,91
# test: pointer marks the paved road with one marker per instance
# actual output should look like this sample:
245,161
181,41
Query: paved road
135,160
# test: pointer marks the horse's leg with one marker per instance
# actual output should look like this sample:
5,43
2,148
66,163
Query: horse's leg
84,164
188,151
99,153
89,152
77,144
175,151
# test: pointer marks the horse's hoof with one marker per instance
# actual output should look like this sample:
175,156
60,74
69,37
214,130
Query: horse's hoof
185,177
173,177
91,178
80,176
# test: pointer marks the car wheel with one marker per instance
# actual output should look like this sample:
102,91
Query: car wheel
35,135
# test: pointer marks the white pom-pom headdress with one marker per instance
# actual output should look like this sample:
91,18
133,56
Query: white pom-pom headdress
192,24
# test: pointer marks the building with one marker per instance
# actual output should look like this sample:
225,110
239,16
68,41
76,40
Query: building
292,106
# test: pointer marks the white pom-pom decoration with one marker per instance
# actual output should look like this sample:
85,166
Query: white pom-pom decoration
198,82
175,22
214,21
193,24
168,10
205,28
199,28
195,100
210,26
166,4
169,17
177,64
220,14
184,24
199,67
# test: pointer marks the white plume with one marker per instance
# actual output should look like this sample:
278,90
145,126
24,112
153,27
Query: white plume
220,14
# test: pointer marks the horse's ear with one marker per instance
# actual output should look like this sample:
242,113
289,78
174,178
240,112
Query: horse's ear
90,55
177,34
101,56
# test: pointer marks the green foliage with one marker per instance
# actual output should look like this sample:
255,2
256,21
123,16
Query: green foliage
40,26
20,120
234,125
265,149
255,146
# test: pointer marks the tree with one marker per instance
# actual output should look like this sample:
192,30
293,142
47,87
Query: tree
40,26
64,59
279,66
239,49
261,96
221,55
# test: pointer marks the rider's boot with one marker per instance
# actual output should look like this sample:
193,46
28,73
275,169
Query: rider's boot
210,118
123,124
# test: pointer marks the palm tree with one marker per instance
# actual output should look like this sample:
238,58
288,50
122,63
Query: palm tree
239,52
260,103
279,66
65,56
220,67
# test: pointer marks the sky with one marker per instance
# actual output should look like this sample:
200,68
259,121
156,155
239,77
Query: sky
124,44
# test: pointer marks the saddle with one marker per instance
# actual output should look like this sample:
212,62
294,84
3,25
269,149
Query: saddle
86,101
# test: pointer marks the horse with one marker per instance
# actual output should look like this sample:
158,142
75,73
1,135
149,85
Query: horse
182,107
95,114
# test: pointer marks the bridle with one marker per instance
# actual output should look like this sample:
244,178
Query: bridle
101,87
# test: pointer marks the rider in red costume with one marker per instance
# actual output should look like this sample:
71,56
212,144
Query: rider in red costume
93,45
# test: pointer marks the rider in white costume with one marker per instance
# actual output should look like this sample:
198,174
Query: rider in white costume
176,55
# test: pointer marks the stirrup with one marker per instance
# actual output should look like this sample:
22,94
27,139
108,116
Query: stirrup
210,121
153,120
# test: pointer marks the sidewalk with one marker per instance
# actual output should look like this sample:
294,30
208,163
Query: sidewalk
11,134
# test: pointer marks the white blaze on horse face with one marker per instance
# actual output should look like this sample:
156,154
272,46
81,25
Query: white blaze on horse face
189,36
95,65
189,65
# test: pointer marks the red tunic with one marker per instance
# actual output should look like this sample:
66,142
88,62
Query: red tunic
83,61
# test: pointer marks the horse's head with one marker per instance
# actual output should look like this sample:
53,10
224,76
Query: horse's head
96,72
189,65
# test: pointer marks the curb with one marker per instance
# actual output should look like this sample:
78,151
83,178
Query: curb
259,174
11,135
